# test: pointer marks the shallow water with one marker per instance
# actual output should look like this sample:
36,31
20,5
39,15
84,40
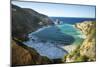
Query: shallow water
50,41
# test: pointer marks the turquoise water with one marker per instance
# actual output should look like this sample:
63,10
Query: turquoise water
65,33
70,29
72,20
49,40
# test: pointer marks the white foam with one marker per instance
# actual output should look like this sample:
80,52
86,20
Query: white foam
47,49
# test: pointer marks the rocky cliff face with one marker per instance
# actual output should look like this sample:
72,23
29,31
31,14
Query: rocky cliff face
88,46
86,51
25,20
24,55
86,27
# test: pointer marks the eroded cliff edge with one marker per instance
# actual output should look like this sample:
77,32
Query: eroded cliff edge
25,21
86,51
24,55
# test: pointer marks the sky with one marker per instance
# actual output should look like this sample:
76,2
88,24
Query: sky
59,10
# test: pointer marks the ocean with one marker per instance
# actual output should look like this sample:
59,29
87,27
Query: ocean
55,41
72,20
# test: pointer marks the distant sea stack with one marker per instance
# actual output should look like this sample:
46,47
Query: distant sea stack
86,51
25,20
57,22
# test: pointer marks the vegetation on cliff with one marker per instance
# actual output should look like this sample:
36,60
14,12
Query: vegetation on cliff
86,51
24,55
25,20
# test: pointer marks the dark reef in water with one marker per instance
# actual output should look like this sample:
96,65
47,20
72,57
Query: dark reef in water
56,36
25,21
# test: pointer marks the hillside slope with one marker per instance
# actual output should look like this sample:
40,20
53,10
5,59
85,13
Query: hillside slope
24,55
25,20
86,51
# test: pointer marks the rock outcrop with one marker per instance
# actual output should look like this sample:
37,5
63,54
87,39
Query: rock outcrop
86,27
25,20
88,45
24,55
86,51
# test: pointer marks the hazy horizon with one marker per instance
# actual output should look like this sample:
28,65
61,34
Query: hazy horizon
59,10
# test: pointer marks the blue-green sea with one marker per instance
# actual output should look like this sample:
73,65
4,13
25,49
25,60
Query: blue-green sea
49,40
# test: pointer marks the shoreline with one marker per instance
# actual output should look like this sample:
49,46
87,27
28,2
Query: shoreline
51,48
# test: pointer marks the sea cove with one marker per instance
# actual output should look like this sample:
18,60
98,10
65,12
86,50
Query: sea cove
52,41
50,33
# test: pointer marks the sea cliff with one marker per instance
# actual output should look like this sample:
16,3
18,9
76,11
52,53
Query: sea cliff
24,55
86,51
25,21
